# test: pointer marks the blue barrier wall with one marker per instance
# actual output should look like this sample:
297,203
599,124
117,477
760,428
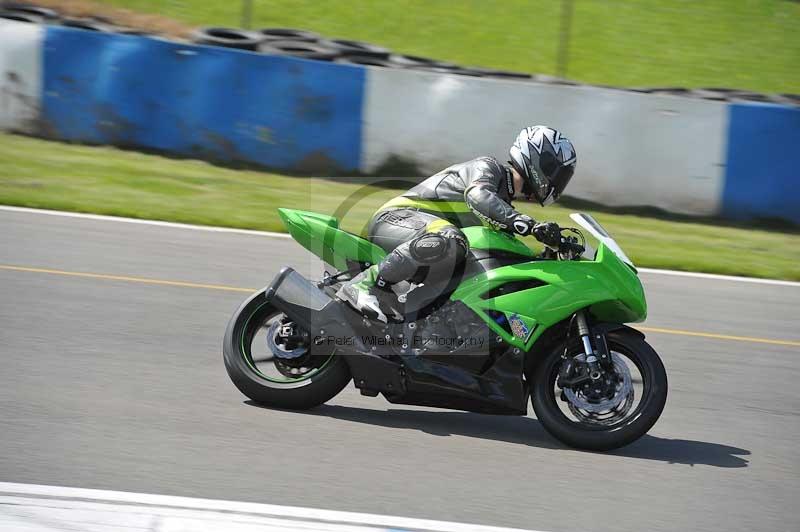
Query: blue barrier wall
229,105
762,177
201,101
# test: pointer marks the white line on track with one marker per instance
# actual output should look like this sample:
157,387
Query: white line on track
270,234
38,508
159,223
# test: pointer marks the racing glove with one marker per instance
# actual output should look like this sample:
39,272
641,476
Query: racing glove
548,233
523,224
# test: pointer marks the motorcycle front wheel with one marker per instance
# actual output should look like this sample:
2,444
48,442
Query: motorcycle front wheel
297,383
630,404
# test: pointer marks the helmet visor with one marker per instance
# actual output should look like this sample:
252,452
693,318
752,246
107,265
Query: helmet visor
561,179
540,186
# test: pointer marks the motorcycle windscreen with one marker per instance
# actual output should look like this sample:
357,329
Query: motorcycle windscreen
596,230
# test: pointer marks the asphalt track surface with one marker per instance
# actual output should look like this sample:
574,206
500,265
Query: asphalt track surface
112,383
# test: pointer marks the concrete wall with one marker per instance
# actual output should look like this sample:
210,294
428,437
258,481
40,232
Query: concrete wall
633,149
683,155
20,75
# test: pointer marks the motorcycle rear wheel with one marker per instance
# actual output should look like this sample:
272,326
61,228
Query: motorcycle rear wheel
298,392
581,435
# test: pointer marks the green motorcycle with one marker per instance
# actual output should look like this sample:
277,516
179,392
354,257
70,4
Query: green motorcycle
509,325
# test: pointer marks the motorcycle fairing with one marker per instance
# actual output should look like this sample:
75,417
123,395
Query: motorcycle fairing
606,286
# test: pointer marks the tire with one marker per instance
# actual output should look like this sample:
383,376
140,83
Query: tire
86,24
457,70
346,47
415,61
367,60
505,74
288,34
307,392
301,49
137,32
20,16
643,417
792,99
48,15
227,38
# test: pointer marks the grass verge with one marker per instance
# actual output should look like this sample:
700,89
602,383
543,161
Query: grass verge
52,175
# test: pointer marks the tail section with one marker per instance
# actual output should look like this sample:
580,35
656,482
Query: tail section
320,234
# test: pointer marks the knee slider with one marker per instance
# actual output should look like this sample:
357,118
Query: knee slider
428,248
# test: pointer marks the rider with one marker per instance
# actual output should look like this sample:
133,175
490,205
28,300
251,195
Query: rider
421,227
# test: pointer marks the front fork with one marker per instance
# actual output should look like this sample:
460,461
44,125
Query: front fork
586,337
596,356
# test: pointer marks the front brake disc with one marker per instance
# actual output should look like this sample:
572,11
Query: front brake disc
624,388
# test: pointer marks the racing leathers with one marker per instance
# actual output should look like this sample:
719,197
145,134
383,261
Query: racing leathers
420,231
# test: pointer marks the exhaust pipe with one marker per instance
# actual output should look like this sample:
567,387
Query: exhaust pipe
308,306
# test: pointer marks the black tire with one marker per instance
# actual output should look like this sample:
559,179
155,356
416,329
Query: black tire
21,7
630,429
505,74
86,24
367,60
288,34
415,61
301,49
19,16
346,47
135,32
312,391
792,99
457,70
228,38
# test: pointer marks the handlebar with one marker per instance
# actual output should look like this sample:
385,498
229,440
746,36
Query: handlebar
570,248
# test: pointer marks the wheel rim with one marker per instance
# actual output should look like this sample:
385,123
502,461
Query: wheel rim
265,364
624,404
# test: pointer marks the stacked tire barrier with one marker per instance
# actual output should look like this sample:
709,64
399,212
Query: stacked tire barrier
349,113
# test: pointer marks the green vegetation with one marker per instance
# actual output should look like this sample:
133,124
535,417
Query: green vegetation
44,174
746,44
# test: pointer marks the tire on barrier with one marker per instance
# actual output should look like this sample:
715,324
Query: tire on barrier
47,14
711,94
86,24
674,91
138,32
19,16
456,70
346,46
300,49
793,99
286,34
227,38
738,94
414,61
506,74
366,60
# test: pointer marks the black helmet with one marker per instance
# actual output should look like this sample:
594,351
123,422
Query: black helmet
546,160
